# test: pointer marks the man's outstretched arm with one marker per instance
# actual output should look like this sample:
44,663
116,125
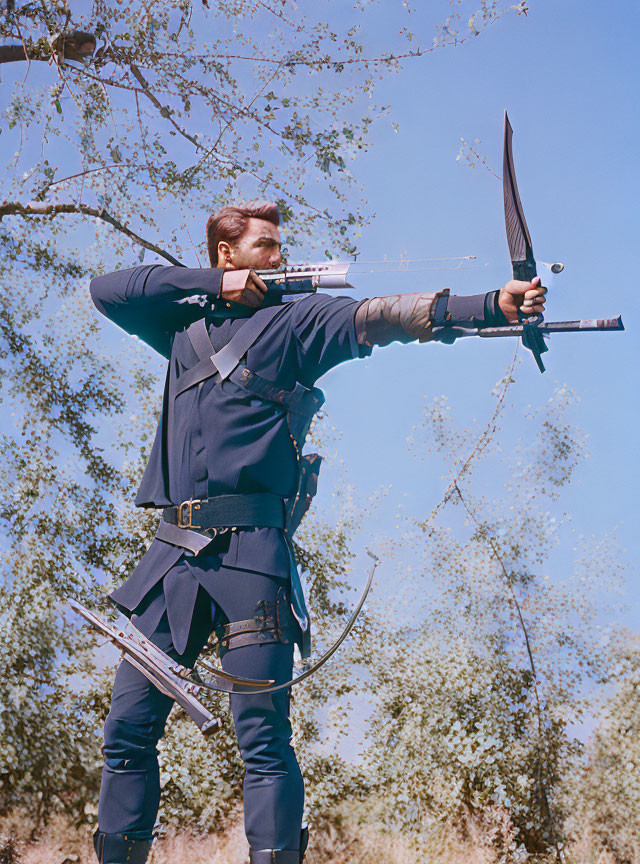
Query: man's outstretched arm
405,317
144,301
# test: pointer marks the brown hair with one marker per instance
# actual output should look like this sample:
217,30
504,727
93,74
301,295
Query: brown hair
230,223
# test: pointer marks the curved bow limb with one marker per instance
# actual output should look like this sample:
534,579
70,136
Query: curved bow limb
329,652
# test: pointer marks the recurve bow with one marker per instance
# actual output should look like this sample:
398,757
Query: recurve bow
533,329
308,278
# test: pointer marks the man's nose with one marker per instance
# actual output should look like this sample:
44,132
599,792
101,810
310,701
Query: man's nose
275,259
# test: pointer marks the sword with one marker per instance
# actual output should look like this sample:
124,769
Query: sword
186,685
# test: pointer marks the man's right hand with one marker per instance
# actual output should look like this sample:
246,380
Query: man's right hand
243,286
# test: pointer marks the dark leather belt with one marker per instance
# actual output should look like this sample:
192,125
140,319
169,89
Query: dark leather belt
256,510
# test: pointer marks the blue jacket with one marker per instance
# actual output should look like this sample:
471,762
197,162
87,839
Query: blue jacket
213,439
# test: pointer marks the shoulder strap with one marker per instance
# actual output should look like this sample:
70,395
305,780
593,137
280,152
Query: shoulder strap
199,338
227,358
302,400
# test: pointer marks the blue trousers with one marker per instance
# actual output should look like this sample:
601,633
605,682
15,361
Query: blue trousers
273,786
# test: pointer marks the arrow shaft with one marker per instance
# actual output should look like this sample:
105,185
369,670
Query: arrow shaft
584,325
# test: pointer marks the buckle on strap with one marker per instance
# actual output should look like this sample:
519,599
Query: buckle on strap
439,315
185,513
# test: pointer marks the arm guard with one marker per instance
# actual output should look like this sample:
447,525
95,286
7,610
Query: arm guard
398,317
404,317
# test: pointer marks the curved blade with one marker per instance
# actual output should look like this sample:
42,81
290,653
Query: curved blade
519,241
518,237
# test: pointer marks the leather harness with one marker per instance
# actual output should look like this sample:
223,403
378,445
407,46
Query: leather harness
194,523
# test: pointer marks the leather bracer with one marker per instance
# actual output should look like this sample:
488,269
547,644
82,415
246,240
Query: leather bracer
396,318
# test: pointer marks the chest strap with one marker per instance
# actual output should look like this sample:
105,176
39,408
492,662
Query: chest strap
227,358
221,363
300,400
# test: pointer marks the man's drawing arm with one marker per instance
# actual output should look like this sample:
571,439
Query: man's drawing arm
149,301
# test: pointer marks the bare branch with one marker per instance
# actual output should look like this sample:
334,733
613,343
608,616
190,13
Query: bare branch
481,443
14,208
164,110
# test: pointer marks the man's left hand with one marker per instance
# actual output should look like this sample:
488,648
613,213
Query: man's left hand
528,297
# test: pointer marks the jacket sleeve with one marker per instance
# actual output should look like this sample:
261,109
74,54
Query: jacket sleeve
325,335
476,310
144,301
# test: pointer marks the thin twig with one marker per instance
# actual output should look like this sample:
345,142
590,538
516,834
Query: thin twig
479,157
481,443
165,111
145,150
90,171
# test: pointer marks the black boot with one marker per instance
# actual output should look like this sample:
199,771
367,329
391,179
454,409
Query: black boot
120,849
304,840
282,856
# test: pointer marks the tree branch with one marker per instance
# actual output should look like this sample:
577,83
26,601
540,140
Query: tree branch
14,208
482,441
76,45
164,110
483,528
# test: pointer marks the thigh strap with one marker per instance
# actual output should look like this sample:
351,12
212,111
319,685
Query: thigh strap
273,621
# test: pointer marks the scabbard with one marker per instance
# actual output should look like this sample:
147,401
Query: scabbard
157,667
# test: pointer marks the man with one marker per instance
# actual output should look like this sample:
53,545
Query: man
227,468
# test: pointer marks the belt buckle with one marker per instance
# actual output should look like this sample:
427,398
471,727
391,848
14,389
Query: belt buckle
187,522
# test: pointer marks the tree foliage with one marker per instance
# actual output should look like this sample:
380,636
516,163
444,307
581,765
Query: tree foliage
478,686
603,798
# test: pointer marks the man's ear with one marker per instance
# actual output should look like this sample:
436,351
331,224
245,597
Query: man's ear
225,253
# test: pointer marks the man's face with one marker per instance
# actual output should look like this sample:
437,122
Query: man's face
257,249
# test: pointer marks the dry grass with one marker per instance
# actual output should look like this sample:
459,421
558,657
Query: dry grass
228,848
345,843
60,844
588,849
